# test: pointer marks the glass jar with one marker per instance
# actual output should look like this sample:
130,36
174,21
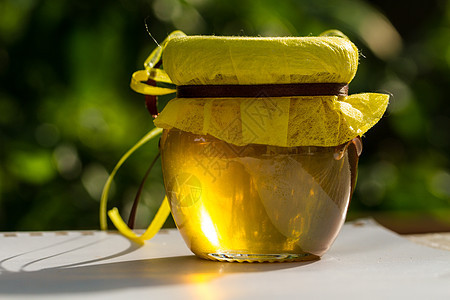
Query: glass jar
242,180
257,202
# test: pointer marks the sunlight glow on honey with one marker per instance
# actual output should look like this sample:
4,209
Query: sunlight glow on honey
208,229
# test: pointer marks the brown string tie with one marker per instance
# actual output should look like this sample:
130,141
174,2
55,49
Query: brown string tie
262,90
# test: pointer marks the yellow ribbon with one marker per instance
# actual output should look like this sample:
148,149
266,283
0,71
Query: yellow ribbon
139,78
138,84
114,215
153,228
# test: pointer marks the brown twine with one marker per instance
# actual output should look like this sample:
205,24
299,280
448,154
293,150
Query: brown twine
262,90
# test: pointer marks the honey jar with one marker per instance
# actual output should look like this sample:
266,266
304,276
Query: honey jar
260,146
257,202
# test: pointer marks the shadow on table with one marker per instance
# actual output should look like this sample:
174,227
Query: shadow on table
118,275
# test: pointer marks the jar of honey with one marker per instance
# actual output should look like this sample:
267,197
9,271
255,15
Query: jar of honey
260,146
257,202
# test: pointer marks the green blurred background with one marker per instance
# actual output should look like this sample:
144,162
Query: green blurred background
67,113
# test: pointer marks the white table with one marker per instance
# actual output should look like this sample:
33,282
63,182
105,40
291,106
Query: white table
366,262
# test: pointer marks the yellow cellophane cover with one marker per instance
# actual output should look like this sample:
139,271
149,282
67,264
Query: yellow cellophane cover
277,121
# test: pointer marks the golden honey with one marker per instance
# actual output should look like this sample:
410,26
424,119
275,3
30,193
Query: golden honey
256,202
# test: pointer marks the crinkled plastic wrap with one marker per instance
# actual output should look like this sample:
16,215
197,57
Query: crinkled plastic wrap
286,122
278,121
202,60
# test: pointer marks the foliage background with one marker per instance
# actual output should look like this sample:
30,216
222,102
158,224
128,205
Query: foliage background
67,113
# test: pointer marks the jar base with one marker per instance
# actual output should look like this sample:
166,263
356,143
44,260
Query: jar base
244,257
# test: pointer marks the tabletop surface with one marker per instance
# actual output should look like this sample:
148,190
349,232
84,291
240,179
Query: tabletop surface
366,261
